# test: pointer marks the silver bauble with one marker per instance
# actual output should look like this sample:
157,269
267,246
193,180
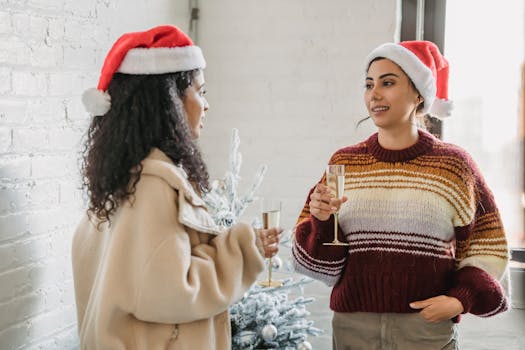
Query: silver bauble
304,345
247,338
269,332
277,263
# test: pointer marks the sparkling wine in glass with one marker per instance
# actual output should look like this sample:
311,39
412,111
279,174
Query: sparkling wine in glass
335,180
271,213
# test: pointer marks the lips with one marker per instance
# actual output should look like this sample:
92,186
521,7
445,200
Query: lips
377,109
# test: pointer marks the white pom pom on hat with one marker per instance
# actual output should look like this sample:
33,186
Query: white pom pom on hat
162,49
428,69
96,102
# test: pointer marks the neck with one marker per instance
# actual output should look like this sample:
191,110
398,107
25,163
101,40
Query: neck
400,138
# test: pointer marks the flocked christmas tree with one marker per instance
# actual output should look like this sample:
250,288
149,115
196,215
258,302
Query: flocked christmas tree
265,318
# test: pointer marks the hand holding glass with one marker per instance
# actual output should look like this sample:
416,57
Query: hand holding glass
335,180
271,212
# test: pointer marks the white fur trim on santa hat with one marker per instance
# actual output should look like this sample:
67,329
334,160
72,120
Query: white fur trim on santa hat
416,70
96,102
162,60
441,108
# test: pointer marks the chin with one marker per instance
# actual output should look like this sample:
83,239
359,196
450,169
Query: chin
195,135
378,123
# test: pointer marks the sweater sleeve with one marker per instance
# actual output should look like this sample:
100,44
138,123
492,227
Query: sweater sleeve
309,256
183,281
481,256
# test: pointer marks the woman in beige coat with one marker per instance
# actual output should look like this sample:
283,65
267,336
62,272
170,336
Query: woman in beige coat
151,269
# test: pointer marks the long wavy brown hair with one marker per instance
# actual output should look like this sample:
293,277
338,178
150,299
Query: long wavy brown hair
143,116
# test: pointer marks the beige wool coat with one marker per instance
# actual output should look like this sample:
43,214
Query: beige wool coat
162,275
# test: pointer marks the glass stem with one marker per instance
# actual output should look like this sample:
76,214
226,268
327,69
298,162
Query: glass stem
336,226
270,272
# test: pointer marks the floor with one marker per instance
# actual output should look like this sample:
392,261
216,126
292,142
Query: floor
505,331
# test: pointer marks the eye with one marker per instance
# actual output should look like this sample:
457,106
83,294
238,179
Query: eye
202,93
368,86
388,83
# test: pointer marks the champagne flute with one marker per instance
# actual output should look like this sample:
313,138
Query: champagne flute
335,180
271,212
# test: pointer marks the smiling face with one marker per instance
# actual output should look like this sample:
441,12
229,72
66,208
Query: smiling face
195,104
390,97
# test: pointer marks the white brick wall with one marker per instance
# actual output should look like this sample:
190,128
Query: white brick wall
289,75
50,51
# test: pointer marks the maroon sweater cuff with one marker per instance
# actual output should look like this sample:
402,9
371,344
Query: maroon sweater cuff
478,292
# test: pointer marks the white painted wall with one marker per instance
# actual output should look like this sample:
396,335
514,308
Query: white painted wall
290,76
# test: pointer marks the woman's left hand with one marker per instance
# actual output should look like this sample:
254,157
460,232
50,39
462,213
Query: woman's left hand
438,308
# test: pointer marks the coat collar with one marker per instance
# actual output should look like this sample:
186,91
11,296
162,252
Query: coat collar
192,209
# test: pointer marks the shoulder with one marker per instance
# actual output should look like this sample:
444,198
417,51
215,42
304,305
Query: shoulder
154,187
349,152
157,164
160,167
459,161
454,152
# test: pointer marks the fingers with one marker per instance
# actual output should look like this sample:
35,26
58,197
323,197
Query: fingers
321,194
270,238
321,188
273,233
323,198
421,304
438,308
428,313
433,315
270,251
322,203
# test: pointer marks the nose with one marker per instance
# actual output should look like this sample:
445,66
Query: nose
206,105
374,94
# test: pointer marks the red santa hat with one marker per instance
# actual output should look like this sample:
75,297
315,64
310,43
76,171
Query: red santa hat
163,49
426,67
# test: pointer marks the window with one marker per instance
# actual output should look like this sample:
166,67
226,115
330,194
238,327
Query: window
485,75
486,54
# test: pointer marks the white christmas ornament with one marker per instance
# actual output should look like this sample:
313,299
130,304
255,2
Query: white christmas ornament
269,332
277,263
247,338
304,346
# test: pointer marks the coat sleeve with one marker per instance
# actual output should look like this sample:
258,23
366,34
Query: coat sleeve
181,281
309,256
482,255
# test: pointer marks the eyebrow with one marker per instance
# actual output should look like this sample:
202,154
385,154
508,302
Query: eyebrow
384,76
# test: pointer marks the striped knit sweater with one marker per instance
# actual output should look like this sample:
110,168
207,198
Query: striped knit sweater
420,222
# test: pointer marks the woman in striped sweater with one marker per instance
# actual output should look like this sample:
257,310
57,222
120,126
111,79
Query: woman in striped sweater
426,242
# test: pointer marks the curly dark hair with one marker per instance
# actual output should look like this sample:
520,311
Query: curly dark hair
143,116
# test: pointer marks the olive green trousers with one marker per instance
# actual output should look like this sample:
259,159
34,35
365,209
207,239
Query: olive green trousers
391,331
